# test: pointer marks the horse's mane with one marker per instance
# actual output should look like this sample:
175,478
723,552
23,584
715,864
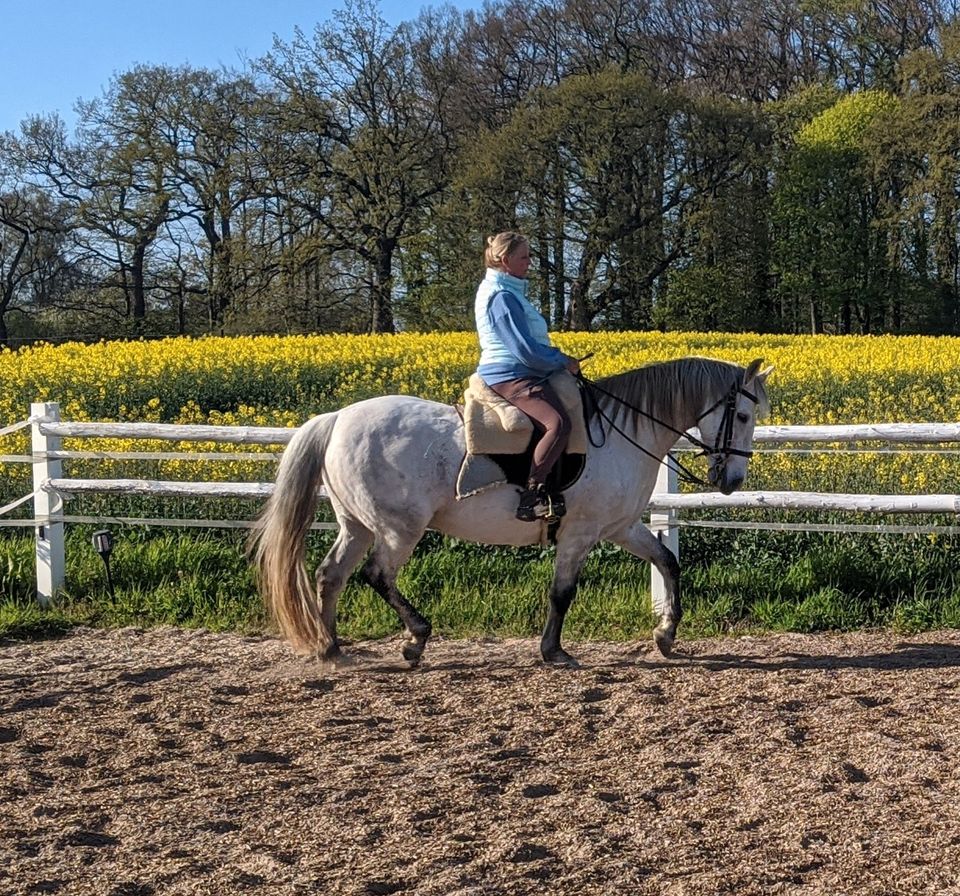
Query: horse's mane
665,389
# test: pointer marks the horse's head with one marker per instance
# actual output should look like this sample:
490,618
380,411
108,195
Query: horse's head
727,424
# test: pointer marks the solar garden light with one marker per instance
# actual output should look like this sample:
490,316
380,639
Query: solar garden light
103,545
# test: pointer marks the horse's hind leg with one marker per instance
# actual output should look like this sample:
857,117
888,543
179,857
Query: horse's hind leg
380,572
353,541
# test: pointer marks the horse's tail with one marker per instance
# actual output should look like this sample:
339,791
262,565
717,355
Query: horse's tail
277,544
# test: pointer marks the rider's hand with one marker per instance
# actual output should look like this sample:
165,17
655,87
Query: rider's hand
573,365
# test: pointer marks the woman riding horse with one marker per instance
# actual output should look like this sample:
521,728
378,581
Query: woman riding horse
516,358
389,466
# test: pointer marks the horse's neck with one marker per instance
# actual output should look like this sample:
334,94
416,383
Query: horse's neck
664,437
660,423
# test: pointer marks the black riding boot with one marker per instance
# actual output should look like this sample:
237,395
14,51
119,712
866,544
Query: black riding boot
536,503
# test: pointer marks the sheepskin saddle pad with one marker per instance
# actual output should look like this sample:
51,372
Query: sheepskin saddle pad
494,426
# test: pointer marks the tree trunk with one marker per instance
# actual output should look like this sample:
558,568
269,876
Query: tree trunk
6,297
816,317
816,309
181,310
139,294
581,314
559,246
381,299
225,265
559,278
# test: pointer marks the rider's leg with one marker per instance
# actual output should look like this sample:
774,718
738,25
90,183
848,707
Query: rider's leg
551,421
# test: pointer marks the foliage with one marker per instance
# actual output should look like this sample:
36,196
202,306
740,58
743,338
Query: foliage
801,157
610,172
827,204
844,126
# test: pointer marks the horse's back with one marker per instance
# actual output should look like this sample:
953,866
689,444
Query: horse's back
402,417
394,456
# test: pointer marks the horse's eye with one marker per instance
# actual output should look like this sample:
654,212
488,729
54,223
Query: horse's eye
743,418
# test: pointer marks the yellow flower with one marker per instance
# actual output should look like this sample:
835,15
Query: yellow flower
282,381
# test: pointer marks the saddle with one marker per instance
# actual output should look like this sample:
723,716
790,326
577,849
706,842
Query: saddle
494,426
500,438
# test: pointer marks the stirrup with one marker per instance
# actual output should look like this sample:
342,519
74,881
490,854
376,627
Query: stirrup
558,507
536,503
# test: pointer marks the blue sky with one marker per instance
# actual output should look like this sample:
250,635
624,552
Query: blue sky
53,52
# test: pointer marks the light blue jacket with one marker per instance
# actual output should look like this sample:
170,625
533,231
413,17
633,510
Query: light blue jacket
514,338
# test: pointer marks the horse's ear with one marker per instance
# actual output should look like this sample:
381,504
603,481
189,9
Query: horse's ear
753,370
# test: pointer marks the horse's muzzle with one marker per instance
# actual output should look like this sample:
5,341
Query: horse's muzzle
729,481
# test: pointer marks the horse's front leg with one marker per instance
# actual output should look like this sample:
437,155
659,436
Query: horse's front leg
571,552
642,543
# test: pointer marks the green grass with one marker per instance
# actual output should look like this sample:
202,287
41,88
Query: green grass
808,582
732,582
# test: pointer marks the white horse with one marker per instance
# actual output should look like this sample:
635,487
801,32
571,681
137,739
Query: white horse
389,466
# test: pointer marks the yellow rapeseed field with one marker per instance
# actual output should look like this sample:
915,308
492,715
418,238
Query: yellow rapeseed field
280,381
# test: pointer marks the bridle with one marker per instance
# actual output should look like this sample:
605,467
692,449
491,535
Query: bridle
722,447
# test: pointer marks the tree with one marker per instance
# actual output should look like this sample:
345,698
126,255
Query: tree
31,228
826,202
917,155
39,264
124,181
207,123
113,184
603,172
367,147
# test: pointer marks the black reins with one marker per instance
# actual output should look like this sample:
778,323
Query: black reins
722,446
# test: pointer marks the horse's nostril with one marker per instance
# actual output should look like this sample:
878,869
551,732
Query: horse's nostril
730,484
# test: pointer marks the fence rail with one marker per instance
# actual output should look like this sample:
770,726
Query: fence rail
50,488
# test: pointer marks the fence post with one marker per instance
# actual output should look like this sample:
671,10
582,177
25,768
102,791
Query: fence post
47,506
663,525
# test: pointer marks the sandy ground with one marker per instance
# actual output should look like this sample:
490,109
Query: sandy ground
172,762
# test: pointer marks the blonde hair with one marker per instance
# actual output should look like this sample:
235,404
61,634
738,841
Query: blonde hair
501,245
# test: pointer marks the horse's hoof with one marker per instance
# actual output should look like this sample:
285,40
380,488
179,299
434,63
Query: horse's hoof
413,653
561,659
336,659
664,640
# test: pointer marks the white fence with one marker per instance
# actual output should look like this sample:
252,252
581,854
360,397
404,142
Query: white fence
50,488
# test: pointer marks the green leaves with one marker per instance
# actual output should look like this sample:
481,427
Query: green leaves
845,126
